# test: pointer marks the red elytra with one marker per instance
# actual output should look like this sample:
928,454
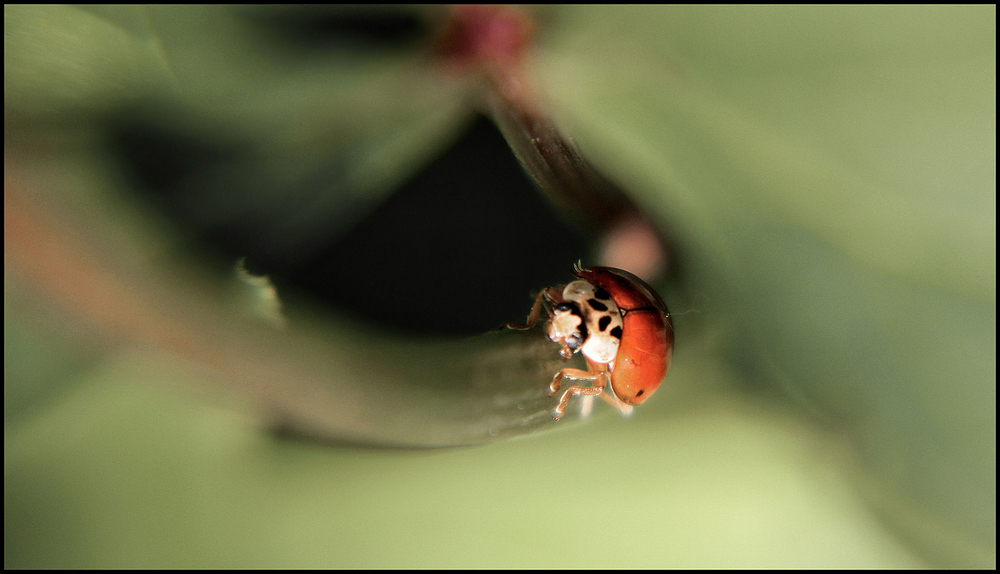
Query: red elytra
647,333
620,325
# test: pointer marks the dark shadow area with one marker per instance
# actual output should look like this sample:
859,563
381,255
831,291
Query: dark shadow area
457,250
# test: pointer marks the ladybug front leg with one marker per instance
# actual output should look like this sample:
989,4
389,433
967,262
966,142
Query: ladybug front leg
577,374
553,294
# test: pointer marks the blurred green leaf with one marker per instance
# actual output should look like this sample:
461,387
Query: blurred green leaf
832,174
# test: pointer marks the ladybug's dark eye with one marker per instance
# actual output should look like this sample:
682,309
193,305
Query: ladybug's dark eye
574,341
564,307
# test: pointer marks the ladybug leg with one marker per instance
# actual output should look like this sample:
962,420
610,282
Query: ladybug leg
577,374
550,293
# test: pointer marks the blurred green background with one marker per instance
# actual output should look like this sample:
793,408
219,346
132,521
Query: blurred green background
827,175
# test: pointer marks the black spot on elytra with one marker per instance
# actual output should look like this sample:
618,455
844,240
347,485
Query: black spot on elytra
616,332
639,394
597,305
602,294
604,322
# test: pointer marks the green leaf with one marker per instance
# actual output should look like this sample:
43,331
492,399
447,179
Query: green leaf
830,173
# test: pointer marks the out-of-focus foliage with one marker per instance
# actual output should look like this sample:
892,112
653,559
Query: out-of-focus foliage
828,174
833,174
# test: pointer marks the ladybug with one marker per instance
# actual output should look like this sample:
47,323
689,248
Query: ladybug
619,324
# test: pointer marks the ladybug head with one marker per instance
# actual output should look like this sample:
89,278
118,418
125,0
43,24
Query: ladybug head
566,327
